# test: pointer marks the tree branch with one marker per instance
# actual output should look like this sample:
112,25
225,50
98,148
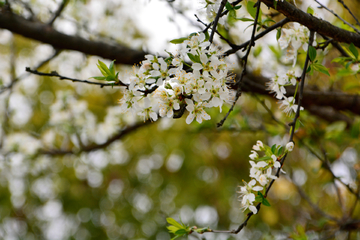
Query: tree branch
58,12
55,74
93,147
313,23
44,33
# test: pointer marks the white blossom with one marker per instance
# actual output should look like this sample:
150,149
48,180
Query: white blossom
289,146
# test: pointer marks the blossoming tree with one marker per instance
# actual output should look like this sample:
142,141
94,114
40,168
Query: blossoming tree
268,93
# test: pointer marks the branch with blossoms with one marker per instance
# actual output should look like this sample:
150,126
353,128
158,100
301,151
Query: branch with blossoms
266,169
161,86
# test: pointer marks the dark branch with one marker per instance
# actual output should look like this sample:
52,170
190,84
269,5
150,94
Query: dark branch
55,74
44,33
58,12
313,23
346,7
260,35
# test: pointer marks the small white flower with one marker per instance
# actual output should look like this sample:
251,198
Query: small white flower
254,155
288,105
247,196
289,146
257,169
259,146
196,111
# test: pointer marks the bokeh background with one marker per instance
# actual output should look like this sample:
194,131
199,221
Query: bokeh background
61,177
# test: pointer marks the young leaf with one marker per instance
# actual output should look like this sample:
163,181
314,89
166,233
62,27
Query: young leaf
273,148
312,53
266,202
172,229
194,58
228,6
103,68
310,10
354,51
99,78
174,223
238,7
246,19
178,40
111,68
252,10
181,231
320,68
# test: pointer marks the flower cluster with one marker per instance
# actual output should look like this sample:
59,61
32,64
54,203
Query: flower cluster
162,86
261,172
277,85
293,39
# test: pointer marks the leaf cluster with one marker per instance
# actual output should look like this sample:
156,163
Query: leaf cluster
108,73
180,229
314,64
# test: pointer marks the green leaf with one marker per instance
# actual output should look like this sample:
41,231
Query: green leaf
174,223
228,6
252,10
355,129
109,78
276,50
246,19
344,72
312,53
273,148
111,68
207,36
172,229
280,151
257,51
354,51
181,232
266,202
103,68
194,58
320,68
258,199
342,59
264,158
238,7
310,10
178,40
99,78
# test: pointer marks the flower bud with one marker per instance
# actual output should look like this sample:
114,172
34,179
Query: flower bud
289,146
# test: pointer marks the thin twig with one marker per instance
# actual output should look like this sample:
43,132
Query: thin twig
302,84
3,89
346,7
222,14
232,45
58,12
336,15
244,59
260,35
222,5
55,74
312,205
336,45
326,161
93,147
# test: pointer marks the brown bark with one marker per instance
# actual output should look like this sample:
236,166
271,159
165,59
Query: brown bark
313,23
47,34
